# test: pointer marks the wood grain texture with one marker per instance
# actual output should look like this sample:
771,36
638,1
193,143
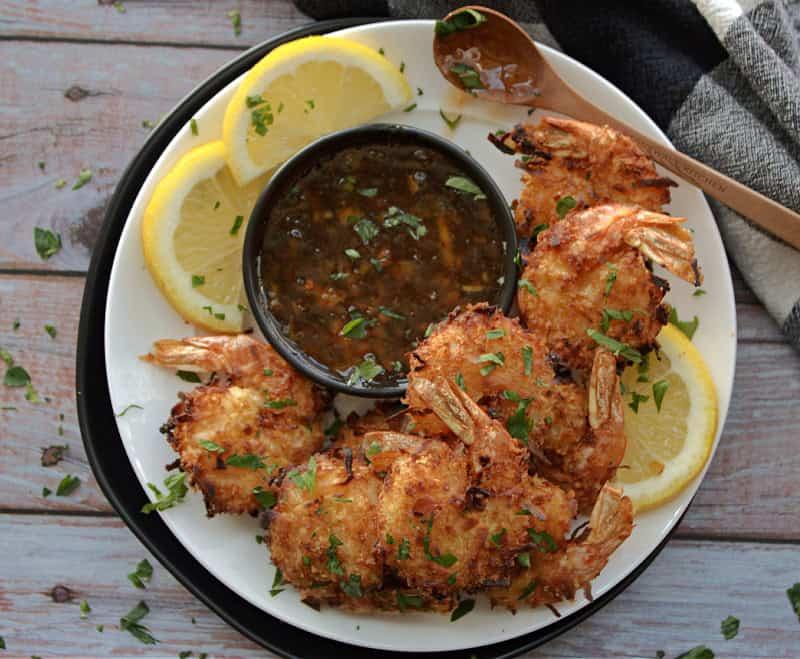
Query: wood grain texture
677,604
101,131
751,490
146,21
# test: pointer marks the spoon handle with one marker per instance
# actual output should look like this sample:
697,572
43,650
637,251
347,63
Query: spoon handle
761,210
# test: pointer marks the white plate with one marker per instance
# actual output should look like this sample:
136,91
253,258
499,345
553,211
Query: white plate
137,314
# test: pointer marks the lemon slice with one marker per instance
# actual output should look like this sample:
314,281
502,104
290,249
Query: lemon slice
667,448
192,239
301,91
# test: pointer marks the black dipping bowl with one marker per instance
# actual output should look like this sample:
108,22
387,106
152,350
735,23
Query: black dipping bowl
295,168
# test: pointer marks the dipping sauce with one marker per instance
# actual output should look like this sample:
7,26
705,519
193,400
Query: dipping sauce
369,247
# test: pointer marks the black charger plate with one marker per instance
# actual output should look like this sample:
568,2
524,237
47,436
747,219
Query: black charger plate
110,463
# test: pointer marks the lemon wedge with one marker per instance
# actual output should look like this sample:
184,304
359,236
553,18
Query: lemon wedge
301,91
667,448
192,236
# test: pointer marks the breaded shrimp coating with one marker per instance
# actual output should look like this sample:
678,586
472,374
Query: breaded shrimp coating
591,273
234,435
583,164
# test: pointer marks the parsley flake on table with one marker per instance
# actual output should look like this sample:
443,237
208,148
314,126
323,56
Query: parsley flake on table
60,183
729,627
51,331
236,21
16,376
176,493
46,242
142,573
46,492
68,485
463,608
85,609
130,623
697,652
793,594
84,176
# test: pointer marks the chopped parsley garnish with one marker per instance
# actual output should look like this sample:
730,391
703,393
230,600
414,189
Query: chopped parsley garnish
410,108
130,623
211,447
15,325
793,594
688,327
729,627
409,601
336,276
699,292
396,217
146,123
237,224
51,330
365,371
340,499
391,314
6,357
85,609
527,360
176,492
419,91
697,652
193,126
429,330
46,492
310,104
463,184
389,539
265,498
463,20
565,205
60,183
16,376
613,314
355,328
445,560
366,230
68,485
381,51
41,165
403,550
527,591
367,192
254,101
519,425
277,582
353,254
637,398
527,286
452,121
188,376
469,77
492,361
307,479
459,379
402,67
377,264
247,460
659,389
84,176
46,242
611,277
463,608
524,559
373,449
497,538
538,229
142,573
543,540
260,118
352,587
198,280
267,371
334,565
236,21
279,403
617,347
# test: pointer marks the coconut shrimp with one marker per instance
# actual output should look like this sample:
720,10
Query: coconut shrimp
558,574
455,516
590,273
574,433
583,165
255,417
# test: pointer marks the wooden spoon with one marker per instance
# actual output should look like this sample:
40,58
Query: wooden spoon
531,81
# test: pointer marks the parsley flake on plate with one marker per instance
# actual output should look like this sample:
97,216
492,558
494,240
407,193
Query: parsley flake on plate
142,573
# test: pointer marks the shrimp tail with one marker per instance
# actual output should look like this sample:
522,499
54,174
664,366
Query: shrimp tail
457,410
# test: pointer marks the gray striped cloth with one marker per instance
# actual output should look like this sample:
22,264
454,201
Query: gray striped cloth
720,77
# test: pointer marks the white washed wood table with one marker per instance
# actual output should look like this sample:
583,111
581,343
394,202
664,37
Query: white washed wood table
77,79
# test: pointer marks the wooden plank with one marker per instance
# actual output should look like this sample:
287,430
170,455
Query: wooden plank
186,23
751,489
102,130
676,604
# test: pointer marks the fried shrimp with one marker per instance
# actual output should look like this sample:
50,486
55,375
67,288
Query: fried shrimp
590,273
558,574
234,435
582,164
454,517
